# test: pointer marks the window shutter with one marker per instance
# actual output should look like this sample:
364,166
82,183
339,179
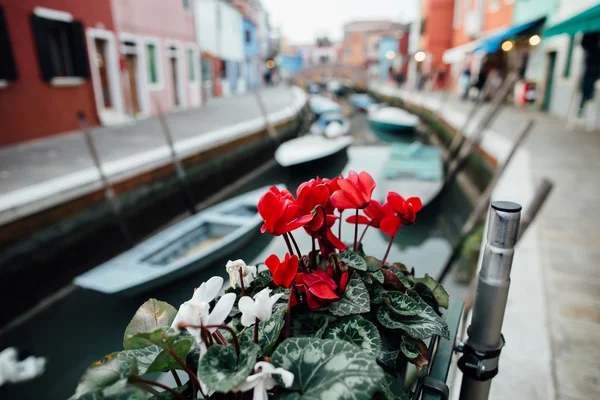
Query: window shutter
79,52
8,70
42,47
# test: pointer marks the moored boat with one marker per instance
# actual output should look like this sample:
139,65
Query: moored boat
309,148
392,120
331,124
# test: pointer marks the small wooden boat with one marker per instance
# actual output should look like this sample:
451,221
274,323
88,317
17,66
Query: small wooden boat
321,104
413,170
309,148
331,124
361,101
183,248
392,120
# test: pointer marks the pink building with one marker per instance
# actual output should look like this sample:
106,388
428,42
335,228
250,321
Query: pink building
159,60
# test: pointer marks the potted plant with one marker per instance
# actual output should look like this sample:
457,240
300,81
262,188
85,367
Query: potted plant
330,322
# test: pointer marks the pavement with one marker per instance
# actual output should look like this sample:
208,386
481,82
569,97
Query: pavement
552,322
34,171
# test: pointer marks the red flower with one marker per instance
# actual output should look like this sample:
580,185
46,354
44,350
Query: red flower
355,191
310,195
375,212
279,211
405,209
284,271
318,287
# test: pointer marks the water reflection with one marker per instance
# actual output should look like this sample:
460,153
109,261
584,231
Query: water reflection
85,325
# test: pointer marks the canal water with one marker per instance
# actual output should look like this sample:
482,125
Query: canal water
81,327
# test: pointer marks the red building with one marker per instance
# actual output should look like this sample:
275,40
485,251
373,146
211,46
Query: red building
44,67
436,34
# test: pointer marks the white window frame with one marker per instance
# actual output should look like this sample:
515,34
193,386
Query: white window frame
181,73
142,69
160,72
114,116
494,6
195,96
196,61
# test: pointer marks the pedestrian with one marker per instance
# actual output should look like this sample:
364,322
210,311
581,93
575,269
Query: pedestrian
464,83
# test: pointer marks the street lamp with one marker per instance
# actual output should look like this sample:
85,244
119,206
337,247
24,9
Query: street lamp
535,40
390,55
507,45
420,56
270,64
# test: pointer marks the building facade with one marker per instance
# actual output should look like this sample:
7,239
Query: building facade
436,38
160,60
251,56
360,46
45,78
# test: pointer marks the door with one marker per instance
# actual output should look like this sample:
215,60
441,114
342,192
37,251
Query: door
549,81
101,49
175,81
131,74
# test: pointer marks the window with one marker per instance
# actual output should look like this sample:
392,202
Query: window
348,51
567,71
191,65
152,63
186,5
8,70
60,45
248,36
223,70
206,70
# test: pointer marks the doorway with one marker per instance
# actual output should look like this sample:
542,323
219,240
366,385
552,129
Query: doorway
175,81
549,81
101,63
131,65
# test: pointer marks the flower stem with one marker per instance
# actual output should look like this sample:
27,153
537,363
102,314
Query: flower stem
242,282
340,226
363,234
313,255
295,244
220,338
145,382
144,386
387,251
289,310
176,377
236,344
256,331
289,245
191,374
356,231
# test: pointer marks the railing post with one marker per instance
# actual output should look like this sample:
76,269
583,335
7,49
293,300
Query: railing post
481,352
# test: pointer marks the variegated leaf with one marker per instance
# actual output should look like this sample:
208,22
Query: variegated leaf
355,299
358,331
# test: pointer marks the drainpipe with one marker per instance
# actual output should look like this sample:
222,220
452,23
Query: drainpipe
481,352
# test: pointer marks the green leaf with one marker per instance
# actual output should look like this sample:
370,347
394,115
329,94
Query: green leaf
373,263
162,337
377,294
409,348
358,331
438,291
101,374
421,326
152,315
391,389
353,260
354,301
168,396
268,333
165,361
378,275
261,281
119,390
396,278
327,369
221,370
310,324
388,358
402,304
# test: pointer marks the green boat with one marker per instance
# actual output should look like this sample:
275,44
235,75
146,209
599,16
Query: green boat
392,120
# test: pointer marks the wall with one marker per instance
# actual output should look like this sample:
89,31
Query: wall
354,48
329,52
386,44
32,108
529,10
164,24
231,41
205,13
251,47
437,32
497,17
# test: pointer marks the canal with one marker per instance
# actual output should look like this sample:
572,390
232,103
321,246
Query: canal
82,326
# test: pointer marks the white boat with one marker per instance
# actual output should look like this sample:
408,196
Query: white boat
186,247
413,170
332,124
392,119
321,104
310,148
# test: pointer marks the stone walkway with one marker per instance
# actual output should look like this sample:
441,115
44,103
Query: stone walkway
565,245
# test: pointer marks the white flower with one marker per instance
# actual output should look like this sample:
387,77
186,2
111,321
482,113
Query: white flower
263,380
12,370
233,269
196,311
260,308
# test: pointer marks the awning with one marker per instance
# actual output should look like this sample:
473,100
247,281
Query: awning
586,21
491,44
459,53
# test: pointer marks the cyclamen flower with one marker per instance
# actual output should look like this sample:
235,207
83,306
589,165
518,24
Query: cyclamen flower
262,380
284,271
196,311
279,211
375,212
12,370
405,213
233,269
318,288
260,308
355,191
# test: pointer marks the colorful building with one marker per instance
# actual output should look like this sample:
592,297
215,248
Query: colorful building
45,75
360,46
435,30
160,60
251,59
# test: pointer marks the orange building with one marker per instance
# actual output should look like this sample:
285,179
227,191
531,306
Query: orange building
436,28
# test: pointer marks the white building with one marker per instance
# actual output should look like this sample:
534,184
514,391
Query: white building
414,45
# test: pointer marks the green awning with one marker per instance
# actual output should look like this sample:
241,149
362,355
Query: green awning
586,21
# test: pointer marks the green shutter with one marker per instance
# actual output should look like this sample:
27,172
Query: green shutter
191,66
567,71
152,73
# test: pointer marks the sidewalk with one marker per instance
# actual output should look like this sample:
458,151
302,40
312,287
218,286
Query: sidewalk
32,171
552,323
